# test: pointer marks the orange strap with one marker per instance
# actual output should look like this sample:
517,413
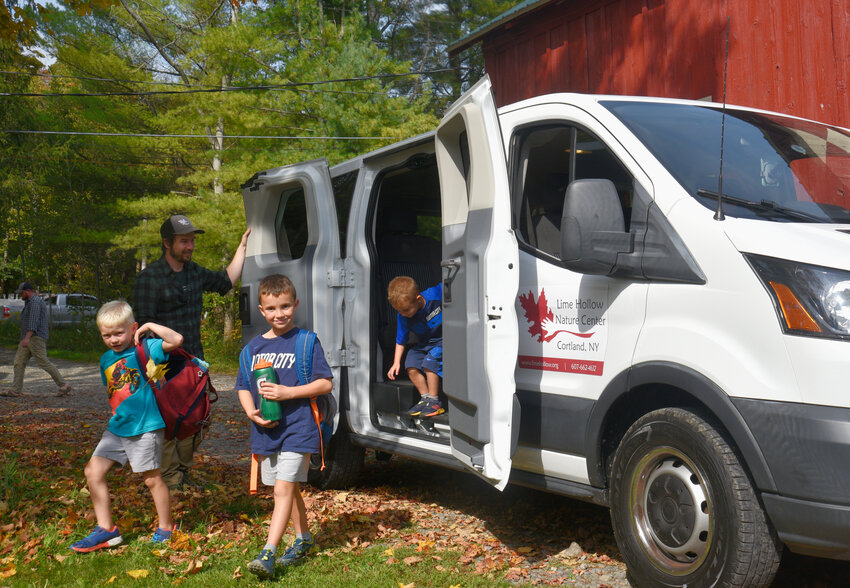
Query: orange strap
318,418
255,470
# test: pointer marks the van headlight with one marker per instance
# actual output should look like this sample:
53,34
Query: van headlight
809,299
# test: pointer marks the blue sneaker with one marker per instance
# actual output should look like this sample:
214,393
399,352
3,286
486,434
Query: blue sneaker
262,566
162,535
433,409
100,538
417,408
297,551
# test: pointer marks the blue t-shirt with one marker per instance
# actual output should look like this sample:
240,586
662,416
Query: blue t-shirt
133,403
296,431
427,323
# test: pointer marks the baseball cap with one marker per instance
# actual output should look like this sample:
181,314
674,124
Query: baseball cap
24,286
177,225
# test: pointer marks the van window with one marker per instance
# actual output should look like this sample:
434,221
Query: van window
775,168
291,224
343,186
545,160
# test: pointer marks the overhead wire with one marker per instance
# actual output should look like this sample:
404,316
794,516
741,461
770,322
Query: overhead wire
180,84
182,136
207,90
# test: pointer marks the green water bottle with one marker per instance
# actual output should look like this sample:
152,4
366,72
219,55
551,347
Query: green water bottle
264,372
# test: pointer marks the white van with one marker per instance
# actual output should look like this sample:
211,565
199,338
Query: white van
611,331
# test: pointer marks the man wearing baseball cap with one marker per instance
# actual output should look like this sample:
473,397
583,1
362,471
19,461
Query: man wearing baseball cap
170,292
35,330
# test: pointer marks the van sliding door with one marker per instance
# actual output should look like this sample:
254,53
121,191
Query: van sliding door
480,282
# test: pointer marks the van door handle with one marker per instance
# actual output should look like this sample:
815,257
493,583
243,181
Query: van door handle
449,269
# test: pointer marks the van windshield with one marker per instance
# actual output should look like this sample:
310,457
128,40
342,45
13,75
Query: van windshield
774,167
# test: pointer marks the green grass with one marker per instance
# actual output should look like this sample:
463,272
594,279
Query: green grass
222,530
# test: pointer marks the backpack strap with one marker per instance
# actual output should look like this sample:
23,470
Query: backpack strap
245,365
142,359
305,341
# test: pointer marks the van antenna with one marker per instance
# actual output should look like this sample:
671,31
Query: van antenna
718,214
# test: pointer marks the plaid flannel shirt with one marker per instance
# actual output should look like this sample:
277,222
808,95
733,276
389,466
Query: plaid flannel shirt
175,299
34,318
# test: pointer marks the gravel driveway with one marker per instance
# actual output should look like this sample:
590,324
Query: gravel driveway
572,542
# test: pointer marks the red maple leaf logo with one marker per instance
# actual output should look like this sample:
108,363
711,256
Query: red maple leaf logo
535,313
538,313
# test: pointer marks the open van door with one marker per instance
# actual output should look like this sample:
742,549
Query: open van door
480,282
294,231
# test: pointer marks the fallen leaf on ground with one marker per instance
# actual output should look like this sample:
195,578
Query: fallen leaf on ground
138,573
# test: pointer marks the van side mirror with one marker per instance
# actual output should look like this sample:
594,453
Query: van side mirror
593,231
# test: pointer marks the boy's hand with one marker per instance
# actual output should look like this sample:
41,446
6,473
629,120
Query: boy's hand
393,372
257,417
278,392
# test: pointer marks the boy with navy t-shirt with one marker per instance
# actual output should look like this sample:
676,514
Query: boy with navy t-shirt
420,313
286,444
136,430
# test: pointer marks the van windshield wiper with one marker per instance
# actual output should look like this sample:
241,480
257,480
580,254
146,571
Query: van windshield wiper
764,205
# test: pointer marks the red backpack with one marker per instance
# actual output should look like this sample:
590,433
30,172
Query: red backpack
183,403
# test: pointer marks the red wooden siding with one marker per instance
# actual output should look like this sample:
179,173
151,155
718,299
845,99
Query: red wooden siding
791,56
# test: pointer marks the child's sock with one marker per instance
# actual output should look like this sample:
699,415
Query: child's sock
270,547
304,536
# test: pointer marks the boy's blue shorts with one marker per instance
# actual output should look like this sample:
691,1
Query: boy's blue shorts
425,357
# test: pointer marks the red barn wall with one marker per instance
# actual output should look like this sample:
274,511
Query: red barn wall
791,56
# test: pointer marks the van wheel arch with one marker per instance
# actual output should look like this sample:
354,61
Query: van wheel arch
654,385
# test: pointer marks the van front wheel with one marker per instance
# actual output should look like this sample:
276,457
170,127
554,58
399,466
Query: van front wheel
683,508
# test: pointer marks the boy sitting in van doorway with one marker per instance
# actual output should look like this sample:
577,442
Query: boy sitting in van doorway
422,314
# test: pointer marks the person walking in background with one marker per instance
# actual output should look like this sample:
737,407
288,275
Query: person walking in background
170,292
35,330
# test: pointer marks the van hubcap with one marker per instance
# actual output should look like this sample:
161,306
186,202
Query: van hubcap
671,511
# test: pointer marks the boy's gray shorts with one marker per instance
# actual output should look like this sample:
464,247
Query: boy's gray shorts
144,452
286,465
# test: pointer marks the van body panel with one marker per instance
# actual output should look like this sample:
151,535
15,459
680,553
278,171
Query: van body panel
727,328
810,528
480,279
807,447
820,244
303,192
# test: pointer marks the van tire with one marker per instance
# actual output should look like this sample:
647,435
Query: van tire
683,508
343,463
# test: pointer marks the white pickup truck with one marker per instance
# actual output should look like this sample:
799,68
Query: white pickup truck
70,309
622,322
